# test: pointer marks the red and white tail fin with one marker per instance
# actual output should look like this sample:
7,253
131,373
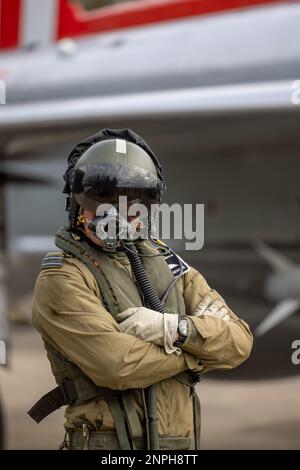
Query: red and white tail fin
24,23
27,22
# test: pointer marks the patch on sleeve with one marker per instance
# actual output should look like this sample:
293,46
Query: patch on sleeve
53,260
176,264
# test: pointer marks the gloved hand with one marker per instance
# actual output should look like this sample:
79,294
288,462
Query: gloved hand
214,308
151,326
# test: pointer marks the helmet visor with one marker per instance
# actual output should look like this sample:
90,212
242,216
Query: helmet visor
97,182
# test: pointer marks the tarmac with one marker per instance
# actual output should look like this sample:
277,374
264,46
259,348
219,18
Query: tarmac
235,414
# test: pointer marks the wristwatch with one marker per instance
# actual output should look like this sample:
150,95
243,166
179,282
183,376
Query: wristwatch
183,329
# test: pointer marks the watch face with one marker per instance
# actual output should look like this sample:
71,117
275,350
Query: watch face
183,327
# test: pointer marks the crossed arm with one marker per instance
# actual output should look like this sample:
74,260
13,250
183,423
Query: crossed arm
67,311
216,336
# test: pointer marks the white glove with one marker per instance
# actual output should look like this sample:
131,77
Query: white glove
214,308
151,326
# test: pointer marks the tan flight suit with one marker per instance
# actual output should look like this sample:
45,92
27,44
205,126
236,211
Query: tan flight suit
68,310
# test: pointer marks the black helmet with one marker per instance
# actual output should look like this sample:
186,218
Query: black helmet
109,164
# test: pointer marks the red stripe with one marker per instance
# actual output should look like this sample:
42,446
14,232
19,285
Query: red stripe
74,21
9,23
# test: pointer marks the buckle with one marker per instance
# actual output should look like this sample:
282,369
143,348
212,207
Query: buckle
196,378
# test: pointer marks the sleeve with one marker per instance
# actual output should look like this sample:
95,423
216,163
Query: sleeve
67,310
217,343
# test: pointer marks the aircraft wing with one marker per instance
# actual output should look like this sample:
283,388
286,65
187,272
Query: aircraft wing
246,65
28,126
243,98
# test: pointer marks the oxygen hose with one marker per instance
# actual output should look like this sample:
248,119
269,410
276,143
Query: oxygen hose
152,301
150,296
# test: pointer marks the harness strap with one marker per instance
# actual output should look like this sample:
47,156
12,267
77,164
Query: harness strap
49,402
197,419
65,394
89,258
119,422
134,425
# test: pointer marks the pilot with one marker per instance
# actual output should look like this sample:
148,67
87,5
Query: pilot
127,325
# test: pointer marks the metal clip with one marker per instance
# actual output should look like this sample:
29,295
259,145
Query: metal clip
65,443
85,436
